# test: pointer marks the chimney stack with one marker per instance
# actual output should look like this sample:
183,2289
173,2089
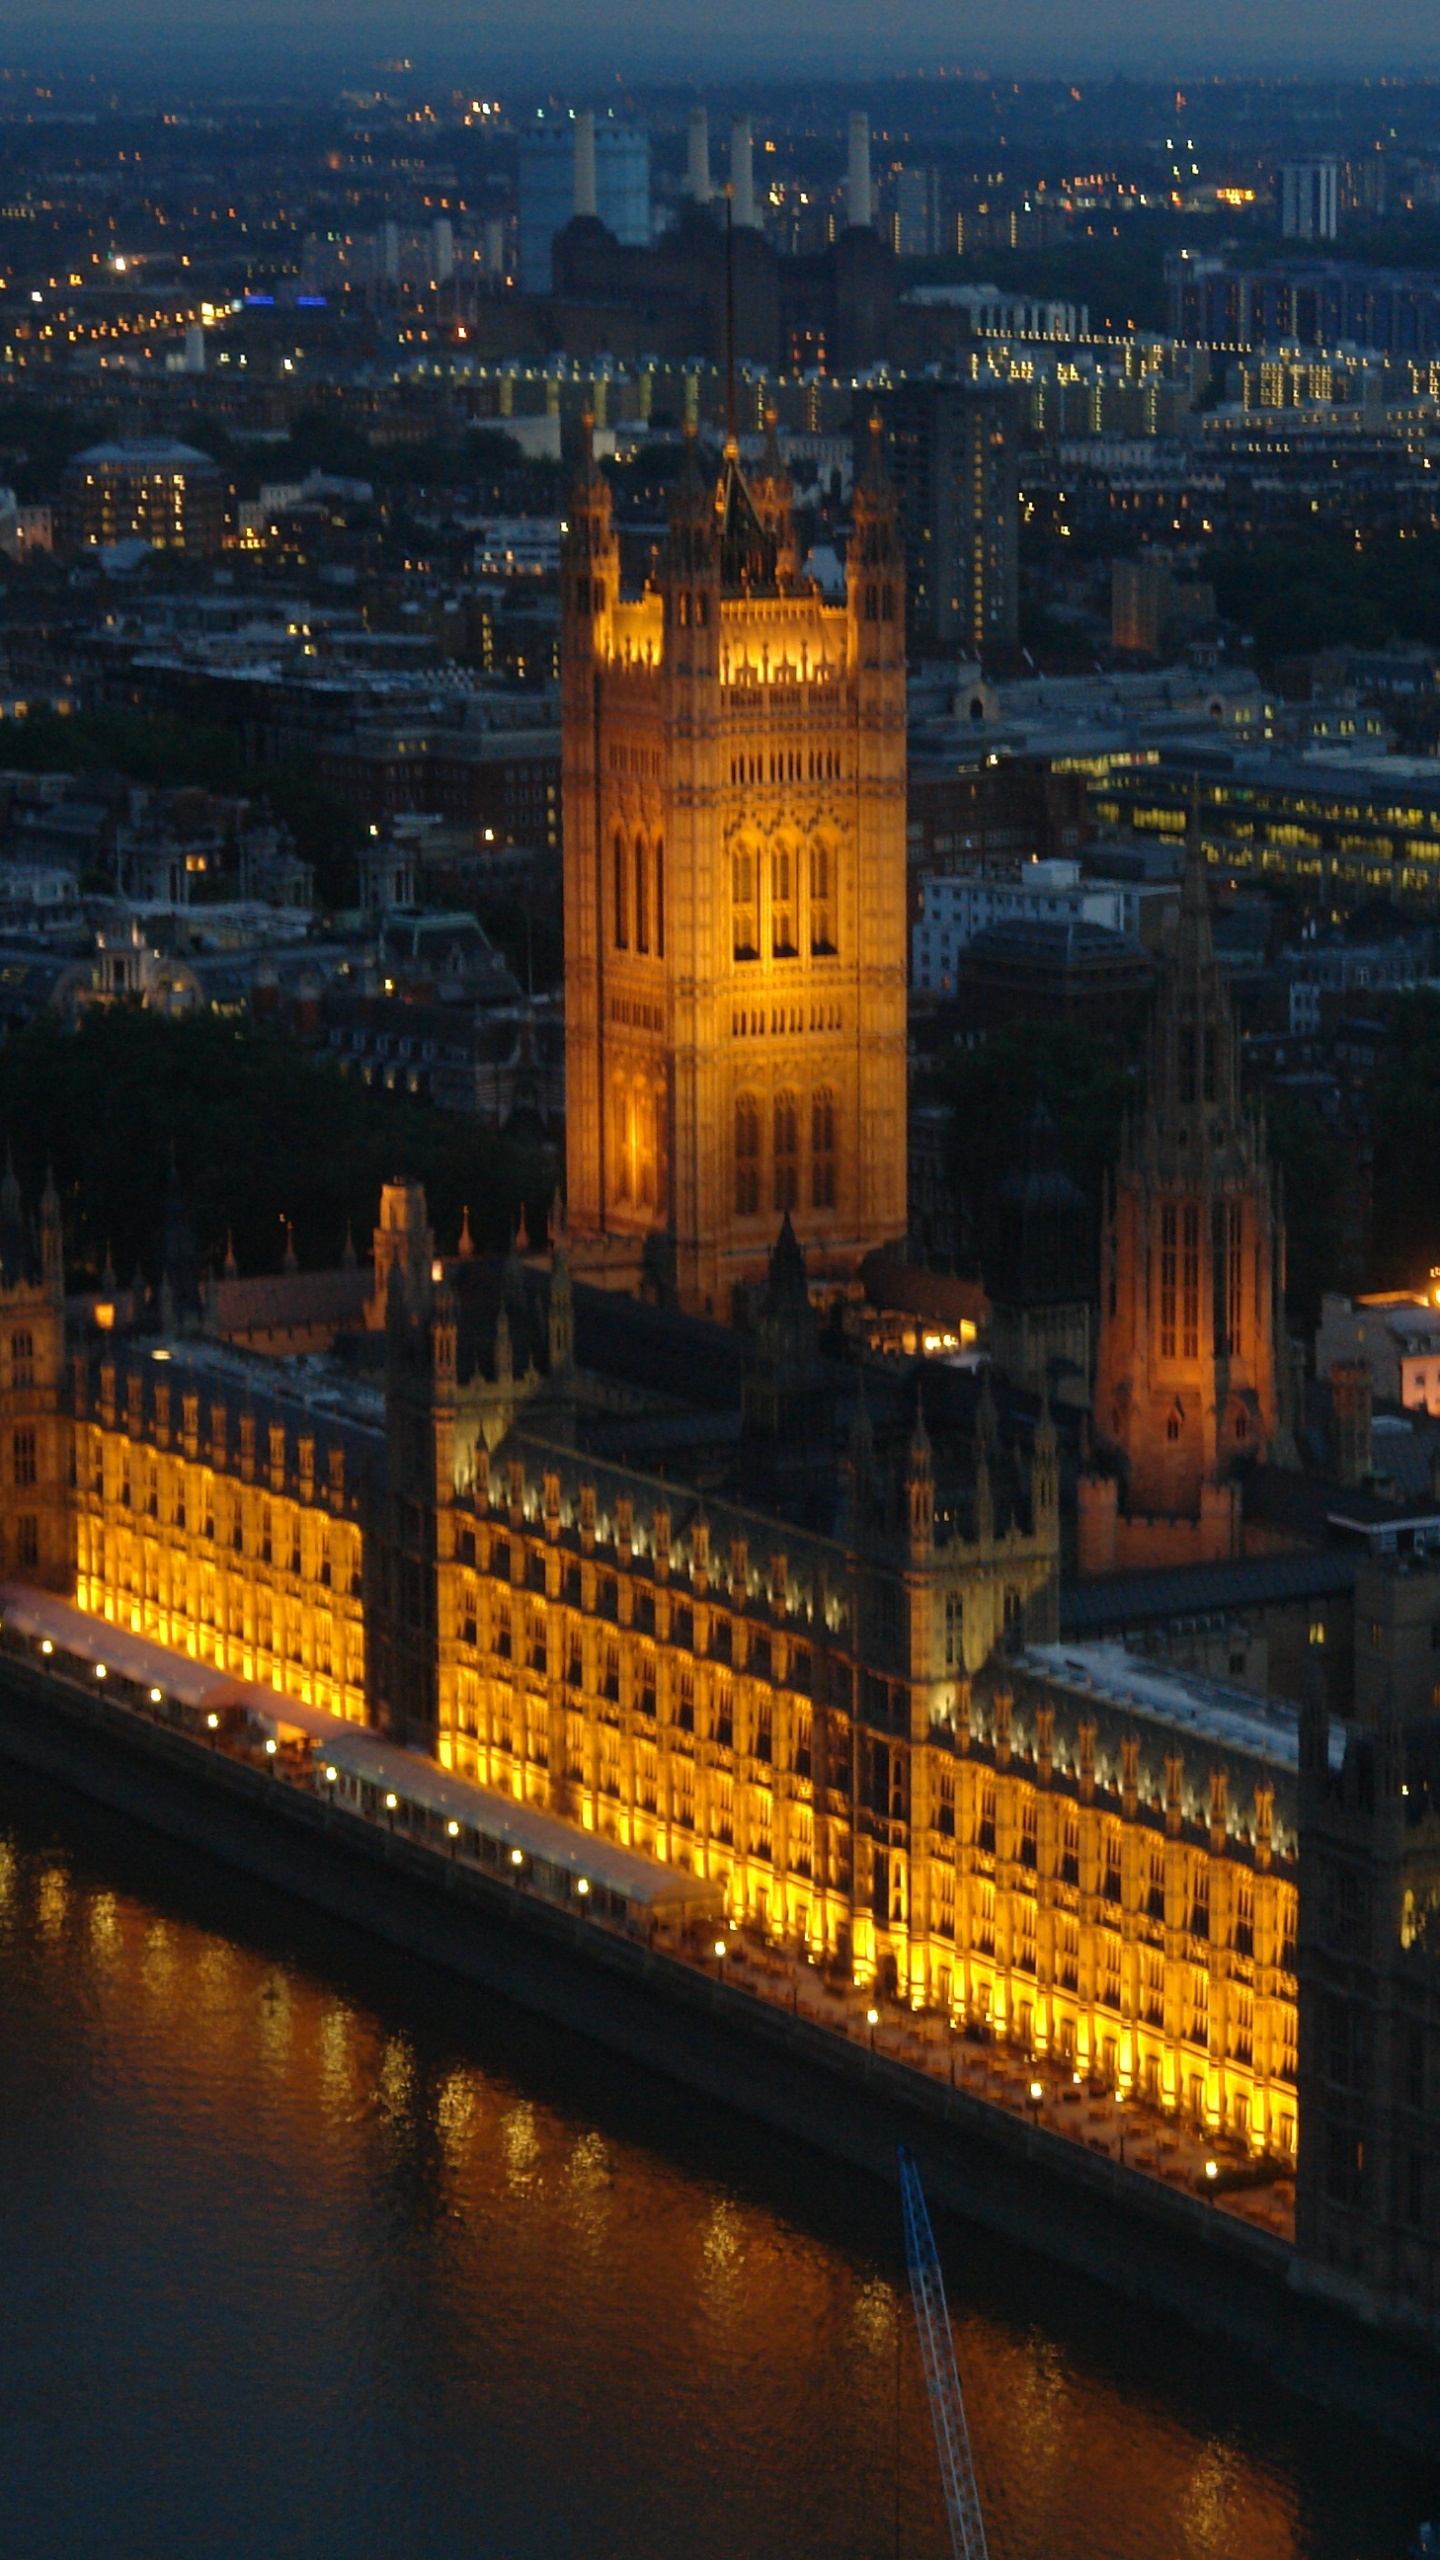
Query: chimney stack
1351,1391
859,171
742,176
586,205
697,180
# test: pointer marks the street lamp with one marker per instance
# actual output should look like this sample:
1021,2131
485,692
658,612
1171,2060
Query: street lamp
1037,2093
872,2021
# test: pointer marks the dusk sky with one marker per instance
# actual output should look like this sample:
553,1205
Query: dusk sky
660,36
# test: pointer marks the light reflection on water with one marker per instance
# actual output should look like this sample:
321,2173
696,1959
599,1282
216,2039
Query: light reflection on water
308,2256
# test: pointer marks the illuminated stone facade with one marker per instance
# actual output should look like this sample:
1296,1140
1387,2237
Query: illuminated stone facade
1192,1286
221,1519
863,1731
735,917
36,1540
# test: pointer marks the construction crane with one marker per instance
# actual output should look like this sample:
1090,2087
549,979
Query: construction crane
942,2381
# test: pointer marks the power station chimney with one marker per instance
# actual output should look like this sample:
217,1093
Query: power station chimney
859,171
742,176
697,180
586,201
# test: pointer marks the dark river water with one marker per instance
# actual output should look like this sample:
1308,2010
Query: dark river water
305,2255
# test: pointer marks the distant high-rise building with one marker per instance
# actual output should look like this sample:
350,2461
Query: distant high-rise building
1309,199
917,213
548,193
858,197
952,457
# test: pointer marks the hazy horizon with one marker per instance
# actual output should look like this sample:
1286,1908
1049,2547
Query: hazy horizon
559,42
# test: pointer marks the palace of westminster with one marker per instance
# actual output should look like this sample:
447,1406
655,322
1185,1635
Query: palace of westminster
617,1530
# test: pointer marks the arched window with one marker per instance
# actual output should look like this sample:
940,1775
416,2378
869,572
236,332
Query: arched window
747,1156
822,897
622,933
620,1146
660,897
642,1146
822,1150
745,926
22,1360
642,903
782,903
787,1152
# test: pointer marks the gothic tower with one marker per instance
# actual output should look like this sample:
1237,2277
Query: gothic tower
1191,1284
734,774
35,1534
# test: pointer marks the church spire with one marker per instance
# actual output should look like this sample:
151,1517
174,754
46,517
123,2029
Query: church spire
1194,1064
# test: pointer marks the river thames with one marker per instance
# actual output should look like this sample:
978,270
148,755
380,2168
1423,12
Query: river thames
309,2256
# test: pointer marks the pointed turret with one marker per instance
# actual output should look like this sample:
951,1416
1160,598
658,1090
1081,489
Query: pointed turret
561,1315
589,555
773,495
52,1249
748,547
1194,1097
467,1242
920,1488
875,563
18,1259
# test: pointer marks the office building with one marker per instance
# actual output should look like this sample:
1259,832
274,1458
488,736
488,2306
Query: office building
951,453
1309,192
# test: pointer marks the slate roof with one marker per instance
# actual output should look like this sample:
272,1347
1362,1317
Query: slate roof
1198,1591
